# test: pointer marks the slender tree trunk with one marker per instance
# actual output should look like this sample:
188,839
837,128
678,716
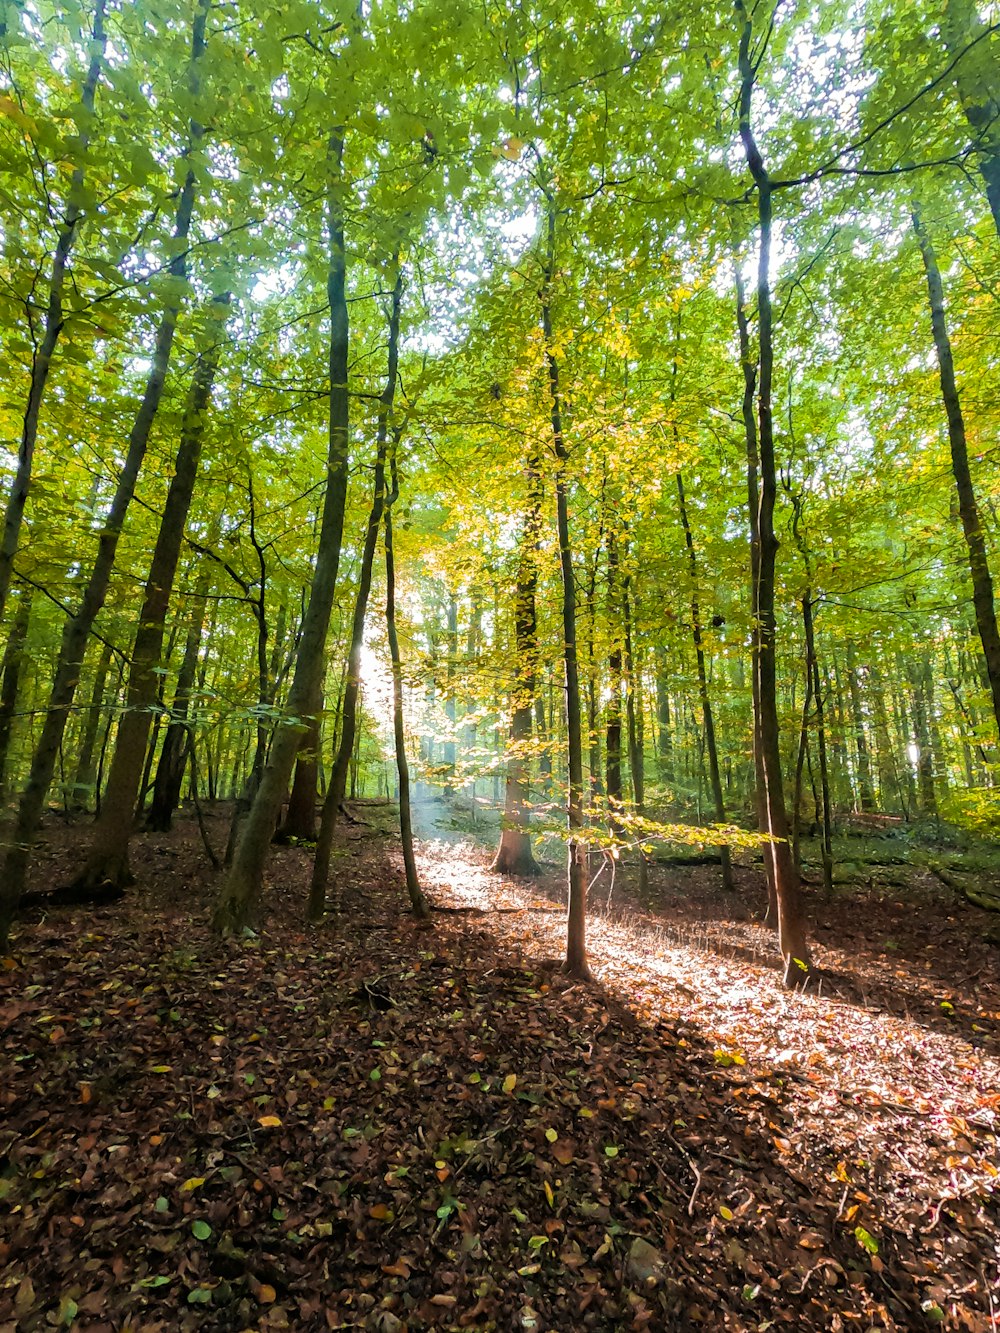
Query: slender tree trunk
664,740
753,504
708,719
633,722
919,694
86,768
865,793
173,755
613,714
576,964
78,627
514,855
791,919
54,318
812,666
242,885
352,686
107,862
13,658
800,759
421,908
975,540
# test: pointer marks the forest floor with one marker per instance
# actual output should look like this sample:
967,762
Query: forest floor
377,1126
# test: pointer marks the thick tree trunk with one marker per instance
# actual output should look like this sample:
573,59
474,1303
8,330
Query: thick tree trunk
787,889
44,348
107,862
576,964
13,657
705,698
514,855
242,885
78,627
975,540
352,685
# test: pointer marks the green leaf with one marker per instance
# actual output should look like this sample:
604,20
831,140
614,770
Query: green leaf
866,1240
201,1230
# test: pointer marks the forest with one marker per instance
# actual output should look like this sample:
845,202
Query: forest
499,665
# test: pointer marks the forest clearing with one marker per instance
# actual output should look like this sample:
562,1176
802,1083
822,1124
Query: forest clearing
499,665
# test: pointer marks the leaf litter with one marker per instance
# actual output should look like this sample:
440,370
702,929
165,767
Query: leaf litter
381,1127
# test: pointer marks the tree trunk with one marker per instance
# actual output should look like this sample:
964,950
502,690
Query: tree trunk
13,658
86,768
633,722
791,920
107,862
299,824
242,885
421,908
514,855
975,540
352,687
613,713
173,755
664,740
973,47
78,627
708,719
866,795
44,348
753,505
576,964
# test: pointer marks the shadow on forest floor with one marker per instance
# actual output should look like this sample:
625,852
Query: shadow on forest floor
381,1127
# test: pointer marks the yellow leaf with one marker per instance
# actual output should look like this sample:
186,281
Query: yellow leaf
269,1121
548,1193
266,1295
194,1183
510,1083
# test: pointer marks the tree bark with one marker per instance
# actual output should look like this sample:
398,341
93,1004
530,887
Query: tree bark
977,78
54,319
421,908
704,696
107,862
634,725
975,540
242,885
13,658
613,713
352,686
787,888
866,796
576,964
514,855
173,755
